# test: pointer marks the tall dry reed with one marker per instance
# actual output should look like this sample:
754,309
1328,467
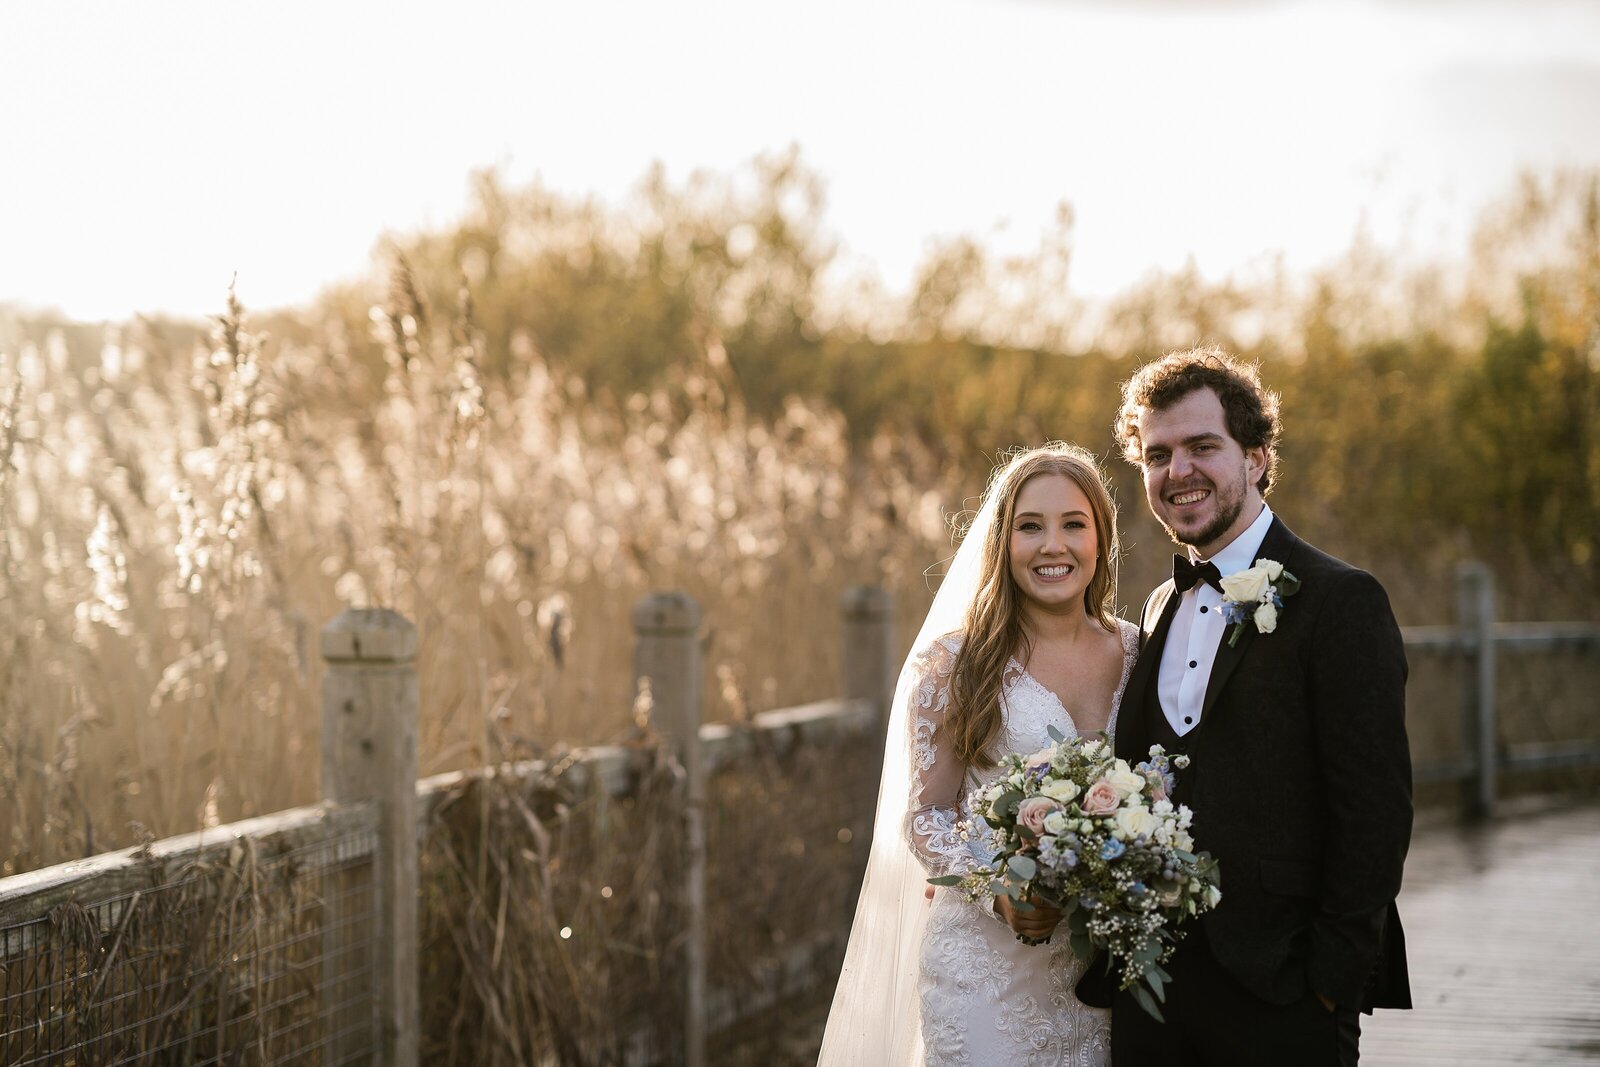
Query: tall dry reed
175,526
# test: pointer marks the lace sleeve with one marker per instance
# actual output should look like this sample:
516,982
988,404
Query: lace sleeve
933,812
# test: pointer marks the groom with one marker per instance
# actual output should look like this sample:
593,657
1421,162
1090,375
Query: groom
1299,774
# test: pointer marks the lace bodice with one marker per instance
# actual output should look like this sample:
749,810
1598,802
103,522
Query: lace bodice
941,787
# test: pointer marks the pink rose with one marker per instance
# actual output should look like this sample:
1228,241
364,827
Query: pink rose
1039,759
1033,812
1101,799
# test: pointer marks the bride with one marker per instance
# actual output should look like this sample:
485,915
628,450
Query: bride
1020,637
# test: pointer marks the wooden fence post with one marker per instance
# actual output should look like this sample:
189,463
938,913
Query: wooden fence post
369,752
666,630
1475,617
868,635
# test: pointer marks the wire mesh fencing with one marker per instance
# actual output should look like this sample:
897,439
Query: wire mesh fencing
1544,704
551,911
247,954
555,915
789,832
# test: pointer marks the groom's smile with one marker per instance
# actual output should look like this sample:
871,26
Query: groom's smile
1199,481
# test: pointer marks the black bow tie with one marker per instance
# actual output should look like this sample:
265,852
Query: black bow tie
1187,575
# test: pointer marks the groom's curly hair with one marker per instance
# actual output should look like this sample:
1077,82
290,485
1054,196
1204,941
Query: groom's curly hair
1251,409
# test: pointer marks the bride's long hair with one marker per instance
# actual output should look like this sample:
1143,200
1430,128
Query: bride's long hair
994,628
874,1019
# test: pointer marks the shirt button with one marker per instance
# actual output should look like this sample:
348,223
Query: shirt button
1187,720
1194,663
1204,609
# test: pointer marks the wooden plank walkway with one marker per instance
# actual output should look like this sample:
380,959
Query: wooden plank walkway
1503,936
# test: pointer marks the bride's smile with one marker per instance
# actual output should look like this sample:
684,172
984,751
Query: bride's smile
1052,542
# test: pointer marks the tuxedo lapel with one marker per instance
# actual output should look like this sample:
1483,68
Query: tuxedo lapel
1277,545
1159,610
1157,621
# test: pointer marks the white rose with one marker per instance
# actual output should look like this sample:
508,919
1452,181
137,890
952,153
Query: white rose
1273,568
1126,782
1266,618
1055,823
1247,586
1135,821
1213,894
1062,790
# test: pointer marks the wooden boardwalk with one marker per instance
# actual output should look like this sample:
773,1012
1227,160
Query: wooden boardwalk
1503,936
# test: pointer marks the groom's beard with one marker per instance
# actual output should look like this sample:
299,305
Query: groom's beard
1230,503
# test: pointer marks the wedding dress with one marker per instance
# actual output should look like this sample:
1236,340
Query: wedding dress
950,969
986,998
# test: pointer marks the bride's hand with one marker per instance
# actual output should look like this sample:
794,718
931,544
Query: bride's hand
1036,924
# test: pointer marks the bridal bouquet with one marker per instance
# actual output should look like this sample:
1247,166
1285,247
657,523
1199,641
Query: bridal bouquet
1081,830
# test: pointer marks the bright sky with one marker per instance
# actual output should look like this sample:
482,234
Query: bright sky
150,150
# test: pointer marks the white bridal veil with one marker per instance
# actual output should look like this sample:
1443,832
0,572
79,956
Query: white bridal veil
874,1019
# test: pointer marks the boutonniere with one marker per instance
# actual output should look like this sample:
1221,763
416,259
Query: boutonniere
1256,594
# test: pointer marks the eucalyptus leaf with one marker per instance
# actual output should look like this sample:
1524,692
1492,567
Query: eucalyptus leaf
1156,987
946,879
1005,805
1023,867
1147,1002
1082,947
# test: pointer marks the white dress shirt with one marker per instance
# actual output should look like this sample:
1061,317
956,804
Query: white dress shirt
1197,630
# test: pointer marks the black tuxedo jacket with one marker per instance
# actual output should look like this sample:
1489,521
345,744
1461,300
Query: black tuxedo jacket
1300,783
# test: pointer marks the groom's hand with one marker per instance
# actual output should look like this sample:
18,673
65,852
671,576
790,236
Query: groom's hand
1037,924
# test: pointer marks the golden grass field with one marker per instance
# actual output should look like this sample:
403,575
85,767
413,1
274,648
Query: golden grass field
179,525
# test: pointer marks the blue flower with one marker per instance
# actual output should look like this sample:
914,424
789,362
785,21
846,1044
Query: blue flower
1112,849
1069,859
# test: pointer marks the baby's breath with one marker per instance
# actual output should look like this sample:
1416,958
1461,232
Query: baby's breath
1117,857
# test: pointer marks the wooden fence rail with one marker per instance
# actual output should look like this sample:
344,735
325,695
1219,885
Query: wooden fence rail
370,785
1477,639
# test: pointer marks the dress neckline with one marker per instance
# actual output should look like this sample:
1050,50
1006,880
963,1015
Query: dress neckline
1130,643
